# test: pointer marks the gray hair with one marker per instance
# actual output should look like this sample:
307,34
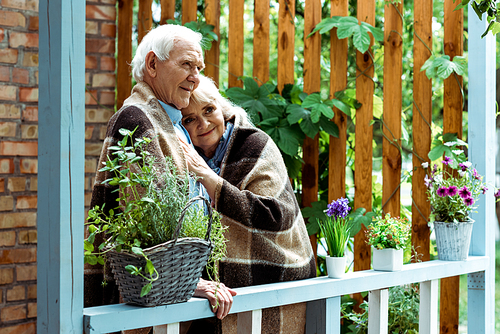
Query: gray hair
161,41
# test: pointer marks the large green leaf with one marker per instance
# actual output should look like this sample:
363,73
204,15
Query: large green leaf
329,127
296,113
316,211
309,127
442,67
288,141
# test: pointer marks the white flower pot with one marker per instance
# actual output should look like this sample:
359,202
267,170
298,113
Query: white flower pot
389,259
453,240
335,266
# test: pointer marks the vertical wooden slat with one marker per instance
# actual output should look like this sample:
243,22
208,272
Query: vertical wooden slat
189,10
393,99
364,137
312,84
261,41
167,10
212,16
452,123
235,42
338,82
286,43
124,57
61,159
144,19
422,118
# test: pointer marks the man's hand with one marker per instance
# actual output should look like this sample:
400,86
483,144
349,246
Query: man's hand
208,289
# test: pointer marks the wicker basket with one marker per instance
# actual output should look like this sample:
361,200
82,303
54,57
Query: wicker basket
179,263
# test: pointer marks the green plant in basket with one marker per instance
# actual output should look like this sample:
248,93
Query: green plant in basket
336,228
151,198
389,232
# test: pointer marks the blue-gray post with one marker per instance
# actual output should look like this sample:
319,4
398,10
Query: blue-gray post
61,143
482,142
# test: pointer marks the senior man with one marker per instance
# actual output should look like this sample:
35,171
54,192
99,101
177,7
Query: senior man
166,68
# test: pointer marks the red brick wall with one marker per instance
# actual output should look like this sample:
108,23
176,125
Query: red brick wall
18,142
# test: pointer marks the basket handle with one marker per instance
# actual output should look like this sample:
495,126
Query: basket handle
184,211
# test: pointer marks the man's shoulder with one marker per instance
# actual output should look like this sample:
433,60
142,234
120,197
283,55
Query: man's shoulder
129,117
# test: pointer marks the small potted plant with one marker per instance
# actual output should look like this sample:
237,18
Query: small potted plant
453,192
388,237
336,229
157,240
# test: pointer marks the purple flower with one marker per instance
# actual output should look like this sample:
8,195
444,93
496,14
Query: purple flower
464,192
339,208
442,191
452,190
468,201
463,166
476,175
497,193
434,169
447,160
484,190
427,181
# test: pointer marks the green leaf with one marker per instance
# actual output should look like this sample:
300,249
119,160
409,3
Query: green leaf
145,289
326,25
329,127
314,212
378,107
272,122
345,108
137,251
100,260
377,33
132,269
288,142
293,165
90,259
309,127
150,268
442,67
495,27
88,246
296,113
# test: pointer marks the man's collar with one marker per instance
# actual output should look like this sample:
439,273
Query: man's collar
174,113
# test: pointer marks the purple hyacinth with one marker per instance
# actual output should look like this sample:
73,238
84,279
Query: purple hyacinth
452,190
464,192
339,208
468,201
442,191
447,160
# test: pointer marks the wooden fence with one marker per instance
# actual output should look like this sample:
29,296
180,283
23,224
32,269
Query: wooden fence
393,54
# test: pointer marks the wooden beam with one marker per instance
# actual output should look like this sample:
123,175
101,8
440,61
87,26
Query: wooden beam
393,101
312,84
124,57
212,16
286,43
144,19
261,41
422,119
61,151
338,82
167,10
452,123
364,137
235,42
189,10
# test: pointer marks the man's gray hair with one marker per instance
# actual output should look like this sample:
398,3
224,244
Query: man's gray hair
161,41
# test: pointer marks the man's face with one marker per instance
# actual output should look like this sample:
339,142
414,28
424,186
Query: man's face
178,75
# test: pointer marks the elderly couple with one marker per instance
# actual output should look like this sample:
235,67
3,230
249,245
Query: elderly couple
239,166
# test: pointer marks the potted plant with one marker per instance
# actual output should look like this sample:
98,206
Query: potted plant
157,241
336,229
453,192
388,237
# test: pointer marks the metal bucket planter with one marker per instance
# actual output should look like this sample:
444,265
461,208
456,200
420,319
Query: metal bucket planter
453,240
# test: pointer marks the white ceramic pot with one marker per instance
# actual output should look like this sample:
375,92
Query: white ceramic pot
389,259
335,266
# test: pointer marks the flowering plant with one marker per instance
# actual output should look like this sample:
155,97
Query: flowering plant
389,232
453,190
337,226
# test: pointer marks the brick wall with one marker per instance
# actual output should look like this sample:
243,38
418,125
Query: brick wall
18,142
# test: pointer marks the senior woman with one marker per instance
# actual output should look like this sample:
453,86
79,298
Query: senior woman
246,178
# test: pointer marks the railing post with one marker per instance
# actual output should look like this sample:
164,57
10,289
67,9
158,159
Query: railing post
378,311
482,152
250,322
323,316
428,312
167,329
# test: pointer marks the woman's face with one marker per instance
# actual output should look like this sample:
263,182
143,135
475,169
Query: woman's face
205,125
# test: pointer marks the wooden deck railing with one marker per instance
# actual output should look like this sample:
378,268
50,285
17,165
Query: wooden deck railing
322,294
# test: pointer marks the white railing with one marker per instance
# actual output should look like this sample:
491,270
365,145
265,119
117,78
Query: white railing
322,294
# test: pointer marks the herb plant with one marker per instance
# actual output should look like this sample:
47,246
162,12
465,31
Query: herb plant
336,227
150,201
389,232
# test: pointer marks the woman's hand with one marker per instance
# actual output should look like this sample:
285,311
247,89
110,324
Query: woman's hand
199,167
209,290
